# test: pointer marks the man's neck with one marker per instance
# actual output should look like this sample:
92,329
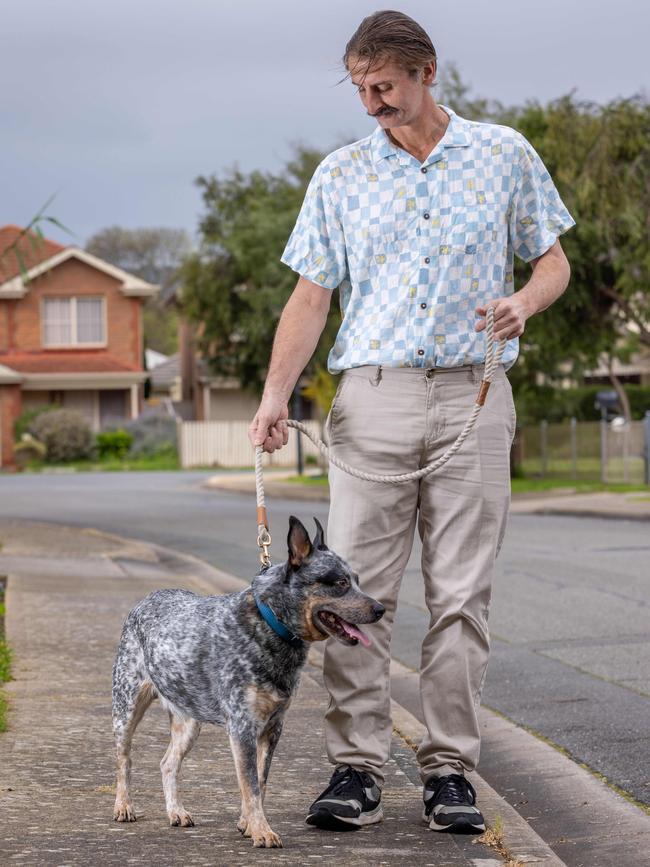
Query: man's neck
420,138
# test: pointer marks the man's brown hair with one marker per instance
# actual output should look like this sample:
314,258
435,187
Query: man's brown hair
389,35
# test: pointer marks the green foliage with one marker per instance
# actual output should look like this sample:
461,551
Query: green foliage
23,422
599,158
114,443
558,404
160,325
321,388
28,451
235,287
65,434
154,436
3,712
5,661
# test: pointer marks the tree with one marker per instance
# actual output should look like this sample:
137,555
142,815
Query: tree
155,255
599,158
234,287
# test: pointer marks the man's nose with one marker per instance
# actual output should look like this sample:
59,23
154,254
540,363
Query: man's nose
373,103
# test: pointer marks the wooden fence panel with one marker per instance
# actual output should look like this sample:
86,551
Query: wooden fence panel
225,444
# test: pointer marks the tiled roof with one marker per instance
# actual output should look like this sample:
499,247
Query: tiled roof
166,373
63,362
31,248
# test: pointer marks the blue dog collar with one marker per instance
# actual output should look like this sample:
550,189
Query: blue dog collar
277,626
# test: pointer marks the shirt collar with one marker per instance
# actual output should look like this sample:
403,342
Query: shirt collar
457,134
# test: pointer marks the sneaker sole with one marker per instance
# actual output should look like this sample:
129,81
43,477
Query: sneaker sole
329,822
458,826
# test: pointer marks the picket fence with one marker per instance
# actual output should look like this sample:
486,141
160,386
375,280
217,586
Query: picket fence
225,444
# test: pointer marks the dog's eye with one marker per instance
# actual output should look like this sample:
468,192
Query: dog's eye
342,583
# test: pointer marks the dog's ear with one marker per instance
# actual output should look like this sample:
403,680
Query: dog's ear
298,541
319,538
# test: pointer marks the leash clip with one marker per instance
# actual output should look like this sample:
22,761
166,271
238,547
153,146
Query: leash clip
264,542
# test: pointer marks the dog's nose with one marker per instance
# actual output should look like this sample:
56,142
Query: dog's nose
378,610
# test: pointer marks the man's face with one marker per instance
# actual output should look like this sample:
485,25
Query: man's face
389,93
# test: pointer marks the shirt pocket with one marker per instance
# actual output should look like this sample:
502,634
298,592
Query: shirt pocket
384,240
470,240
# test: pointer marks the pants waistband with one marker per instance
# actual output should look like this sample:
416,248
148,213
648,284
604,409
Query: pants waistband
379,371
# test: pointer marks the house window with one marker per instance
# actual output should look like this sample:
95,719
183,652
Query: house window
73,322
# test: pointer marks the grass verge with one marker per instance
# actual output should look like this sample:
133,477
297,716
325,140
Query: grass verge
519,486
109,465
5,657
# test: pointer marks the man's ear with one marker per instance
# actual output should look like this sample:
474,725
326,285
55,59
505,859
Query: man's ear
319,538
298,542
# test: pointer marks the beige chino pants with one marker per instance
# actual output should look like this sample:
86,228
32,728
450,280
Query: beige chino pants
395,420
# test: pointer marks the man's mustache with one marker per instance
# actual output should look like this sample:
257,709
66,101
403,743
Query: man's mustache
386,110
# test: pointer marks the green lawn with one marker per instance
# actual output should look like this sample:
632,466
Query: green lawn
519,486
110,465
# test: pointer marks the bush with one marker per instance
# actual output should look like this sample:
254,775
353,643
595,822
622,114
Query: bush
114,443
23,423
153,436
28,450
65,434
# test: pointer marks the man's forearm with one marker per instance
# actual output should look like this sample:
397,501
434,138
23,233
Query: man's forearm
550,277
301,324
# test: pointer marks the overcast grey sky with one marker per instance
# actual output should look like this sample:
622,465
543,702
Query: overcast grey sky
117,107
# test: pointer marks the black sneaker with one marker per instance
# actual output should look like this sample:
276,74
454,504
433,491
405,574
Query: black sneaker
449,805
350,801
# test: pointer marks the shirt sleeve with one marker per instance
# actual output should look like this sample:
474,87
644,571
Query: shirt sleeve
316,247
537,213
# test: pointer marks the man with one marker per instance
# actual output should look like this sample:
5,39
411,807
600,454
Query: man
417,226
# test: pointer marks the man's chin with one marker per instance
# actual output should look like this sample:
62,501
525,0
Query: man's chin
388,121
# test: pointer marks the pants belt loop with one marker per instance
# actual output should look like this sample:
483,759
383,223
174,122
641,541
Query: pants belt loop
377,377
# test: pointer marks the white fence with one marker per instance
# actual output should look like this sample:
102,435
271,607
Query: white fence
609,452
226,444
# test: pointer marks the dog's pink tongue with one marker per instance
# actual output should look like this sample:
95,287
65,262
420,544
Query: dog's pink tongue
355,632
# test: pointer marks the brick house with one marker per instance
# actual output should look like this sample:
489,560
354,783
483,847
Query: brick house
70,334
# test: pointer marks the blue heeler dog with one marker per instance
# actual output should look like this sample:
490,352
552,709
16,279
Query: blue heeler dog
233,660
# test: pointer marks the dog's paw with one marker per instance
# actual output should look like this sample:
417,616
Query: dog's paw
266,838
124,812
181,819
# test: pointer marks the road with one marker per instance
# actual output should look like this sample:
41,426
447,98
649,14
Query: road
569,615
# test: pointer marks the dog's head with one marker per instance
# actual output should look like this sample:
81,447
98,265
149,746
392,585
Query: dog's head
317,592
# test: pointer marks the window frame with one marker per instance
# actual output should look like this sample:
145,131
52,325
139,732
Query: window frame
75,344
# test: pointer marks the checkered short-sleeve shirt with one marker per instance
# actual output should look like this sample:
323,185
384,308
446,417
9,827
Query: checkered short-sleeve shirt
415,247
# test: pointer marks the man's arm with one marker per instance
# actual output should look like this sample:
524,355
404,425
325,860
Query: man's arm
550,277
301,324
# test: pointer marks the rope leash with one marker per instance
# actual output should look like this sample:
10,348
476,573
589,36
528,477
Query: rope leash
493,356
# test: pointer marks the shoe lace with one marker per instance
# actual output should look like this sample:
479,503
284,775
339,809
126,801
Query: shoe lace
346,781
454,790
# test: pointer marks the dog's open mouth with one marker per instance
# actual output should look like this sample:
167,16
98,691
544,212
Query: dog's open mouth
340,629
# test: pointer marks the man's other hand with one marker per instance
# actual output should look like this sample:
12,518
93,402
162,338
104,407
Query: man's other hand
269,427
510,315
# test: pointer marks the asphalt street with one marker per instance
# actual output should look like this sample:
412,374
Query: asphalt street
569,615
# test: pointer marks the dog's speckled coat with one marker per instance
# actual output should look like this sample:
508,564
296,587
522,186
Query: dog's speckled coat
214,659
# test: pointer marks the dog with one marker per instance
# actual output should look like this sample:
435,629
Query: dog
233,660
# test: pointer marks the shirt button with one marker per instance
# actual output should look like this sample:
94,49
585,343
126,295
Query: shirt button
426,216
423,170
423,305
427,260
420,351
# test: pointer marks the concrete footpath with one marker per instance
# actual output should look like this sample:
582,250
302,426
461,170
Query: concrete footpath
69,591
634,505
